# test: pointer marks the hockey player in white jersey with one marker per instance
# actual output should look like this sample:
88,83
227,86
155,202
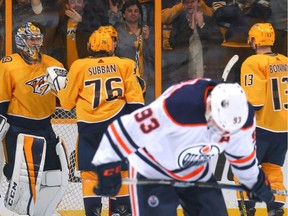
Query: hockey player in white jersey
175,137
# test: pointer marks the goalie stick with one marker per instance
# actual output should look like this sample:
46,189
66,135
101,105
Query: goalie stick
191,184
228,67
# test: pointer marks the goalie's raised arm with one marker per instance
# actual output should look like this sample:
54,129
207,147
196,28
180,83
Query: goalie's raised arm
57,78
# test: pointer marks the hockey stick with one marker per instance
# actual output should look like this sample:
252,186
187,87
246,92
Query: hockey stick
228,67
182,183
243,206
225,74
191,184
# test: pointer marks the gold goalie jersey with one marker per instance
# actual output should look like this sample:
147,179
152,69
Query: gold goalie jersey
100,88
24,87
265,81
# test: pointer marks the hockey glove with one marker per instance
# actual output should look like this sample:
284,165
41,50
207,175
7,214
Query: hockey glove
109,179
261,191
56,77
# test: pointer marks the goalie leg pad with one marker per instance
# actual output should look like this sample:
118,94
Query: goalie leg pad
53,186
27,173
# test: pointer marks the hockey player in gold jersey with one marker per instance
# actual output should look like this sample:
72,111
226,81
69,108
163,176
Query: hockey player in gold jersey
264,79
30,144
102,87
114,34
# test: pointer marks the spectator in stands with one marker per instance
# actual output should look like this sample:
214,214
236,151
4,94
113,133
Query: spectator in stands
135,42
95,14
148,10
35,5
66,32
114,13
24,11
280,22
46,14
190,28
236,19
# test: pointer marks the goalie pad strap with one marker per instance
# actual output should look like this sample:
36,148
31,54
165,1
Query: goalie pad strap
27,173
4,126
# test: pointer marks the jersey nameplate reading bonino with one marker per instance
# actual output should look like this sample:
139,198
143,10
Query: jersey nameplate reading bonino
278,68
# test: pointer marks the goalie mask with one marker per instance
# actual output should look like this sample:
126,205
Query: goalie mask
229,107
262,33
29,40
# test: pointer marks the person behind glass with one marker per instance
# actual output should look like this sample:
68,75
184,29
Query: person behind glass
24,11
36,160
95,14
102,87
114,13
176,60
264,79
235,20
148,8
135,41
279,20
35,5
66,31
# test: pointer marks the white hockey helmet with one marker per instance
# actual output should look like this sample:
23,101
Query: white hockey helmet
229,106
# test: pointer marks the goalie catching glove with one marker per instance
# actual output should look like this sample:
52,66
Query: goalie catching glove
56,77
261,191
4,126
109,179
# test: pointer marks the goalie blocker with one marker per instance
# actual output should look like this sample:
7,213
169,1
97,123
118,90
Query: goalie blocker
31,190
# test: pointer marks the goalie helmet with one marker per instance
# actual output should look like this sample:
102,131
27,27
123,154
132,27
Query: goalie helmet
101,41
29,39
262,33
229,106
111,30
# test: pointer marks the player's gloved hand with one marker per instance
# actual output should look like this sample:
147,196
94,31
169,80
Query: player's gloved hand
261,191
56,78
109,179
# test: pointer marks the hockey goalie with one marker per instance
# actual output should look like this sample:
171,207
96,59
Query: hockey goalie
36,164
